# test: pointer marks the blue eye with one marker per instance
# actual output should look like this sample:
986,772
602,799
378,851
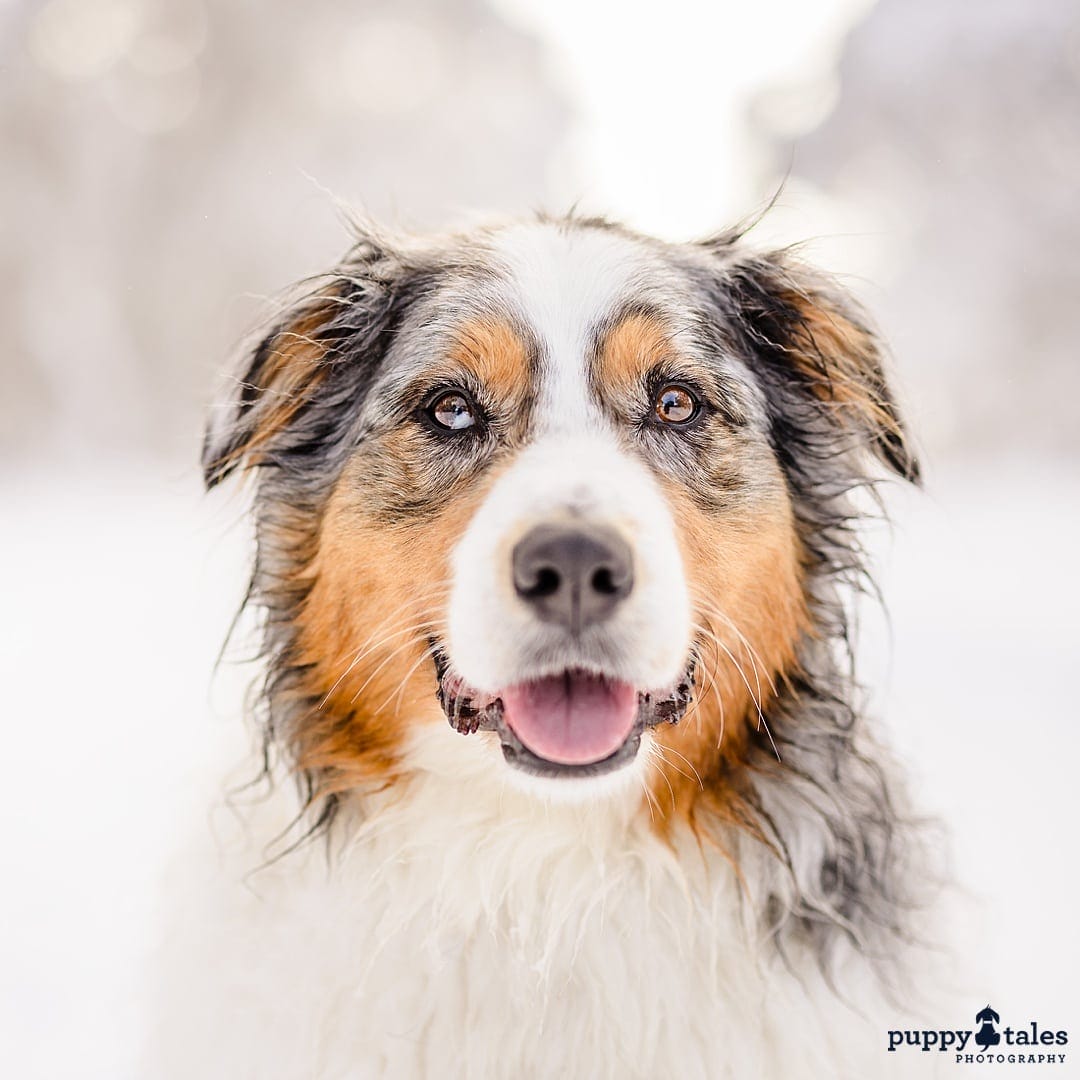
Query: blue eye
452,411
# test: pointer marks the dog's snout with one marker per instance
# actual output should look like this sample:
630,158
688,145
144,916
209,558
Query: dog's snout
574,575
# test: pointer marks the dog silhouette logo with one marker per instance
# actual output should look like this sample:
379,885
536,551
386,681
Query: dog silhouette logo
987,1035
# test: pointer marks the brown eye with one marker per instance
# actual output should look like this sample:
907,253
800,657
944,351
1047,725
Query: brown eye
675,405
452,411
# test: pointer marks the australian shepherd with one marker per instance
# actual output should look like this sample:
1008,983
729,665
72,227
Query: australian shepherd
555,547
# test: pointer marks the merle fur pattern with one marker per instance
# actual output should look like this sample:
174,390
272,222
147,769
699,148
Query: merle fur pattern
815,769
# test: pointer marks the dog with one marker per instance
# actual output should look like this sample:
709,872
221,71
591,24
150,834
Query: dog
556,550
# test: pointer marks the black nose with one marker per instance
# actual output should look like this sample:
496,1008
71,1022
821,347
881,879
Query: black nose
573,575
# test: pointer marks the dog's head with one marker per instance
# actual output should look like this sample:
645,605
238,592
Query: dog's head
575,490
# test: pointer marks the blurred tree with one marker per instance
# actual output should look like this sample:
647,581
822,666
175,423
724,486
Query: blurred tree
957,131
165,159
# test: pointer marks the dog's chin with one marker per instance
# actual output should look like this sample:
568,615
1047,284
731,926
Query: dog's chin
573,723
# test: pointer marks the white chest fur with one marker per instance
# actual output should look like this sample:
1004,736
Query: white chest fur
467,929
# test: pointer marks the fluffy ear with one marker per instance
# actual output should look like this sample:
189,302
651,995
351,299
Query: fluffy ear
819,359
289,403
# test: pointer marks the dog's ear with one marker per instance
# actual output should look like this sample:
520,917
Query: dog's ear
287,403
820,362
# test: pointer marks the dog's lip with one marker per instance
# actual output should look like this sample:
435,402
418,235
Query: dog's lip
469,710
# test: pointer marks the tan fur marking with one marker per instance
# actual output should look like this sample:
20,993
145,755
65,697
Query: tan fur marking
750,609
379,591
495,352
841,359
292,370
630,348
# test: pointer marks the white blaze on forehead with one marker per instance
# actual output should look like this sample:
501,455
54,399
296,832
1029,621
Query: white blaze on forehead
565,282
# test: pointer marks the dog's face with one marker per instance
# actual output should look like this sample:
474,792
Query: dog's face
552,478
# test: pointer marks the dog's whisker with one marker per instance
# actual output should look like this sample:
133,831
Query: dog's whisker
650,801
755,694
762,722
386,660
364,652
671,765
708,670
752,653
429,598
396,614
689,763
425,655
360,655
671,790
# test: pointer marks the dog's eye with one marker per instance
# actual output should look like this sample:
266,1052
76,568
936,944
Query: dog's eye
452,411
675,405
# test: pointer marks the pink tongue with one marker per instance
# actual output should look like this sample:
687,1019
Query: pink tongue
573,718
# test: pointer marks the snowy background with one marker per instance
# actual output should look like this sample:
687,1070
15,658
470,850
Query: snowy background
165,165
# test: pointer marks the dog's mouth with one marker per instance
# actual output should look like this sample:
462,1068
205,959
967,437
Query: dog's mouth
574,723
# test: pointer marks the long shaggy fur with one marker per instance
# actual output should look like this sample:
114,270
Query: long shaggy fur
806,808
